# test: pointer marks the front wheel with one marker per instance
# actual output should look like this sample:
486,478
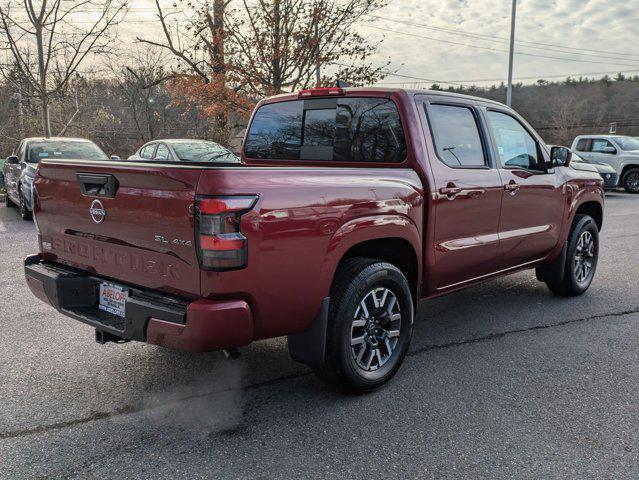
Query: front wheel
582,255
7,201
631,180
370,325
25,213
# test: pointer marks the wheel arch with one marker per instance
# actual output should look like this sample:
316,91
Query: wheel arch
592,209
626,167
394,250
391,238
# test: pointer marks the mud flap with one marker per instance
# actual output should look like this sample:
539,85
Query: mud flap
310,347
554,269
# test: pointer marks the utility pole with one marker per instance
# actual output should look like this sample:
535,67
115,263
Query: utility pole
318,73
509,95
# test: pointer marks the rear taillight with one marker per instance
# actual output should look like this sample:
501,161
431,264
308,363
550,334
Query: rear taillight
221,245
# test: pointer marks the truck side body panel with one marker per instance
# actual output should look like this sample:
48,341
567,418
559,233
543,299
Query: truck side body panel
304,221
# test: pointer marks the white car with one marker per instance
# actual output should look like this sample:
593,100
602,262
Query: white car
618,151
184,150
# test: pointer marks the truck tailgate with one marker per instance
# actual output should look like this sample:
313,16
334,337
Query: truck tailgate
132,223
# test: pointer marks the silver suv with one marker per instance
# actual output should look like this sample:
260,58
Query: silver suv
618,151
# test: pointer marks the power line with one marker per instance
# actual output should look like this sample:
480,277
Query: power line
535,77
450,42
495,38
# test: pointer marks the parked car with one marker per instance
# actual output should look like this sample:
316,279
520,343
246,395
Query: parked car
618,151
188,150
20,167
349,206
609,175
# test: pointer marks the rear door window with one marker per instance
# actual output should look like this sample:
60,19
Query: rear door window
147,152
457,138
162,153
582,145
328,129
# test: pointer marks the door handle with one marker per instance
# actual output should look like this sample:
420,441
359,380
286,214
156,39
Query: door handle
511,187
450,190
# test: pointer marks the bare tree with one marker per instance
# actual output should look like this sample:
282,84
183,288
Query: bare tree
138,83
282,45
262,47
49,40
194,35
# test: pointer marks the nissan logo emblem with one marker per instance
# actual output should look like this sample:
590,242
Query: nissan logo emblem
97,211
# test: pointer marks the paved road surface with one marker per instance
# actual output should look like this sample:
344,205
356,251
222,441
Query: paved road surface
503,380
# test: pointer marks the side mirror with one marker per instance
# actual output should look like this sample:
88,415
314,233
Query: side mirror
560,156
115,158
12,160
609,150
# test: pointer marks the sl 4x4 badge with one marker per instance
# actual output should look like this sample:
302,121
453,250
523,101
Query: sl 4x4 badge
176,241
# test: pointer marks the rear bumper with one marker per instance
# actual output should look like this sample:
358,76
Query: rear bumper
196,326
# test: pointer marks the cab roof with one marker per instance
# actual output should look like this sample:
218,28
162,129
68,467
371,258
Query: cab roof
57,139
383,91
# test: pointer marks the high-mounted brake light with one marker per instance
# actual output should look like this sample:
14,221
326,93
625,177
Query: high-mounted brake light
321,92
221,245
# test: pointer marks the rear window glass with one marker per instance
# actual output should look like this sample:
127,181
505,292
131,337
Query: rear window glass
328,129
64,149
203,151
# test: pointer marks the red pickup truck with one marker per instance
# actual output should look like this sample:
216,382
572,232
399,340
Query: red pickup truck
346,208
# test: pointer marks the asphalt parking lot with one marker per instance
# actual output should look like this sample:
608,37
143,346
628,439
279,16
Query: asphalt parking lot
503,380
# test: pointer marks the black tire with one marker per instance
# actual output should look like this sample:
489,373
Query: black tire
25,213
571,282
630,180
373,283
7,201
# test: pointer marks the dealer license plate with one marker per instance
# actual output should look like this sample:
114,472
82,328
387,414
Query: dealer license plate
113,298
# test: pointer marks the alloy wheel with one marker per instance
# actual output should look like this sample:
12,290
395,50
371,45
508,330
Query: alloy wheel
584,257
632,181
375,329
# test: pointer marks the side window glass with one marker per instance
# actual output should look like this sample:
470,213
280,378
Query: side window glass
599,145
147,152
515,146
162,152
20,151
456,136
582,145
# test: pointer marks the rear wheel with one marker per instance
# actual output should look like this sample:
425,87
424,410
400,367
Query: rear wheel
370,325
631,180
25,213
581,259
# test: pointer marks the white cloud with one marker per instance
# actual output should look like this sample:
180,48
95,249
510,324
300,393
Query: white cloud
587,24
